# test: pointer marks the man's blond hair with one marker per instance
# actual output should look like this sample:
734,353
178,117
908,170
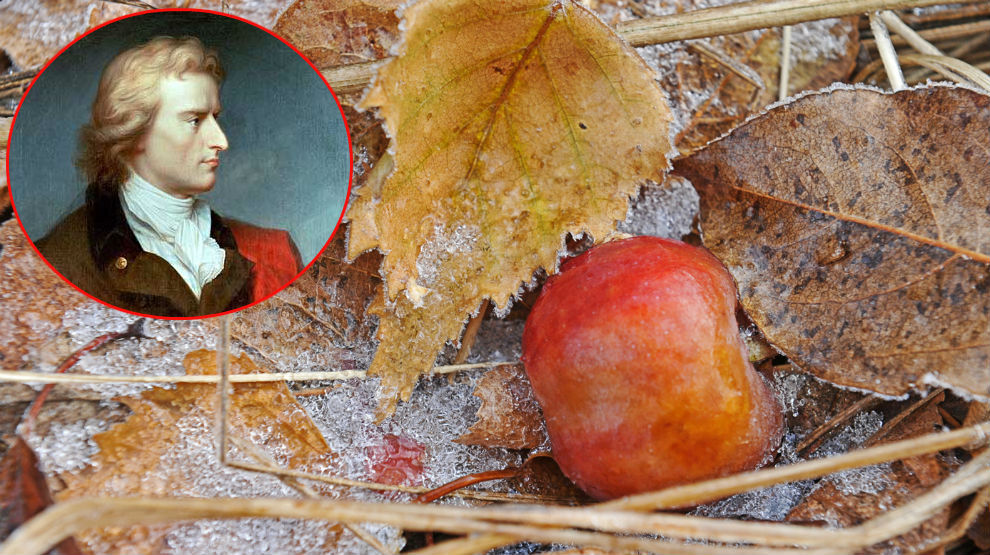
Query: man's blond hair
128,100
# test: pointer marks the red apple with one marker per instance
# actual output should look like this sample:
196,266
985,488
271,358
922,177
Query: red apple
634,354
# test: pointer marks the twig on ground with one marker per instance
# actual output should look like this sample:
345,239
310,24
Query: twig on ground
604,525
887,53
709,50
50,378
785,61
866,403
134,330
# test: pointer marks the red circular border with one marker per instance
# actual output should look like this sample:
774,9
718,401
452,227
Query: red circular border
350,161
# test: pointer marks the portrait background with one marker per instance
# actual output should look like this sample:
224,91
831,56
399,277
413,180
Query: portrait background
288,163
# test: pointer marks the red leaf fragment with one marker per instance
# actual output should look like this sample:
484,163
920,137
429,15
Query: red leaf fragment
24,492
397,460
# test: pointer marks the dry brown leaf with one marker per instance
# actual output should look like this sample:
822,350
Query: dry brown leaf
848,500
24,492
854,223
34,298
167,448
337,32
540,476
319,321
368,142
509,415
514,123
31,31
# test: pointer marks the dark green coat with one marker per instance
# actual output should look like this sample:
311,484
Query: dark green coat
95,249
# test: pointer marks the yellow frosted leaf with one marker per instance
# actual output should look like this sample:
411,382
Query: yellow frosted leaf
513,123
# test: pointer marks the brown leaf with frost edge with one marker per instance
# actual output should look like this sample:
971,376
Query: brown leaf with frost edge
514,123
167,448
856,223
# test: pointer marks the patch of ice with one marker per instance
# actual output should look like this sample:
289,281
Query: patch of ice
868,479
68,446
161,354
444,245
813,41
787,387
862,428
498,341
440,410
769,504
662,211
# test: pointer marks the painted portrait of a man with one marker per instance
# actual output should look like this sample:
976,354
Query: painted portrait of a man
143,240
145,237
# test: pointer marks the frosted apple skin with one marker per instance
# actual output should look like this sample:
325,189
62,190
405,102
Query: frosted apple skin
634,354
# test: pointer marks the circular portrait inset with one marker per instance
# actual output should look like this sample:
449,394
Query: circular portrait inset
179,163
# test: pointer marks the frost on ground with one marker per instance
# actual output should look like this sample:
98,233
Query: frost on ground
438,412
498,340
69,446
774,503
666,210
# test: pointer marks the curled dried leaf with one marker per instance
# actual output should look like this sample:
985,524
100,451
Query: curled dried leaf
509,415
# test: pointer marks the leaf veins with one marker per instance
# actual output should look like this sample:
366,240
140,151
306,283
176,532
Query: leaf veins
855,224
513,124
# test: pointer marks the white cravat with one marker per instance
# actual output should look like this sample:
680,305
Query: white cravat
176,229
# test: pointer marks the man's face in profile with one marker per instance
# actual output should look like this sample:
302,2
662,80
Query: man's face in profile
179,153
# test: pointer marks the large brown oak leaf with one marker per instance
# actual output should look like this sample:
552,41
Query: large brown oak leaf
857,226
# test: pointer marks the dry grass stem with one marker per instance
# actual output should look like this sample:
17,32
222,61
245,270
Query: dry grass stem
916,41
134,3
951,68
711,490
887,53
706,23
470,334
972,476
940,33
748,16
542,524
785,62
466,545
378,486
959,50
46,377
223,386
535,524
962,525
